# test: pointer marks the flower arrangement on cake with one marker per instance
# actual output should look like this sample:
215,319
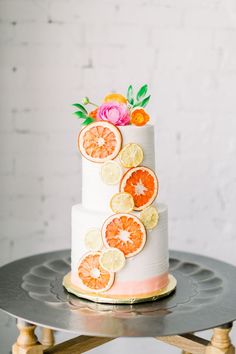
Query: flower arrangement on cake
117,109
119,219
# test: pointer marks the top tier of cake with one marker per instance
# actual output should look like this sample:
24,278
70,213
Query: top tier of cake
96,195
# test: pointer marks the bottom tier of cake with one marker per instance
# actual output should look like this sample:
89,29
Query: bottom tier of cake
144,273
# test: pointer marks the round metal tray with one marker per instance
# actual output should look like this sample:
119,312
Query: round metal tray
205,297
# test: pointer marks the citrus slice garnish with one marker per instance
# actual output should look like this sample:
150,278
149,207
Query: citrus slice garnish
92,275
122,203
100,141
149,217
125,232
131,155
115,97
112,259
111,172
142,183
93,239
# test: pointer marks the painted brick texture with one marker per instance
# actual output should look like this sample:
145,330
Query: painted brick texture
53,52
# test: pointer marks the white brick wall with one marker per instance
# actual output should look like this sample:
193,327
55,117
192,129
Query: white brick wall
52,52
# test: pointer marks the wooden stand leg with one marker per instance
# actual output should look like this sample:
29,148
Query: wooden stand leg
78,345
47,339
220,341
27,342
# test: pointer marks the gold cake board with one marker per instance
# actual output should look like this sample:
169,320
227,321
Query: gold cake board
119,299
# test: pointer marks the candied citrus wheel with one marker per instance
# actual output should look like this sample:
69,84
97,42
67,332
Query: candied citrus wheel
112,259
149,217
131,155
100,141
125,232
93,239
92,275
122,203
142,183
115,97
111,172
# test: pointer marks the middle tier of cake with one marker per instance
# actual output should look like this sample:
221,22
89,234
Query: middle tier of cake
96,195
143,273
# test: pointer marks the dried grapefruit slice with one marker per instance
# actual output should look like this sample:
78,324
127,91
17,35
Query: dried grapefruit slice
92,275
100,141
122,203
125,232
111,172
149,217
112,259
142,183
131,155
93,239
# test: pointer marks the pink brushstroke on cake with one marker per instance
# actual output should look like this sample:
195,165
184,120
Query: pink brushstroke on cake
133,287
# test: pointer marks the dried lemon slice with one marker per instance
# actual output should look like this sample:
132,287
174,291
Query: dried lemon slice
131,155
122,203
112,259
149,217
111,172
93,239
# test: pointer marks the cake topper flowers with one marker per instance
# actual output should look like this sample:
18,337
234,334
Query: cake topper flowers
117,109
114,112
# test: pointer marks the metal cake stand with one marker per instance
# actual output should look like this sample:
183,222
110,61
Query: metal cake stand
31,289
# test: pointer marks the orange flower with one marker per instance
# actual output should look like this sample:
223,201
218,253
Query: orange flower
115,97
139,117
93,114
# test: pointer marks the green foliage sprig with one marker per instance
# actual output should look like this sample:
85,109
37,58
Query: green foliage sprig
140,100
82,113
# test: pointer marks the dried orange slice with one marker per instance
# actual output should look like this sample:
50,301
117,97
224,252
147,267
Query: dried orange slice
122,203
115,97
149,217
125,232
93,239
112,259
131,155
111,172
92,275
142,183
100,141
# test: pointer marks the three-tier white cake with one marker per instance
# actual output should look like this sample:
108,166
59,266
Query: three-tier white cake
119,244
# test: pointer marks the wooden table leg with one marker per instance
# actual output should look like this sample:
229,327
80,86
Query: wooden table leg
47,339
27,342
220,341
189,343
77,345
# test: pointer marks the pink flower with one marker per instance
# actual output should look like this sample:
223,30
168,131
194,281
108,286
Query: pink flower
114,112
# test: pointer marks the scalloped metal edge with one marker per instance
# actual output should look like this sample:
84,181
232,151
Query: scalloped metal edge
112,299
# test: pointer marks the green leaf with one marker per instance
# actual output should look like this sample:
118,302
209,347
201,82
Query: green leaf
81,114
137,104
145,101
88,121
78,105
142,103
142,92
130,94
